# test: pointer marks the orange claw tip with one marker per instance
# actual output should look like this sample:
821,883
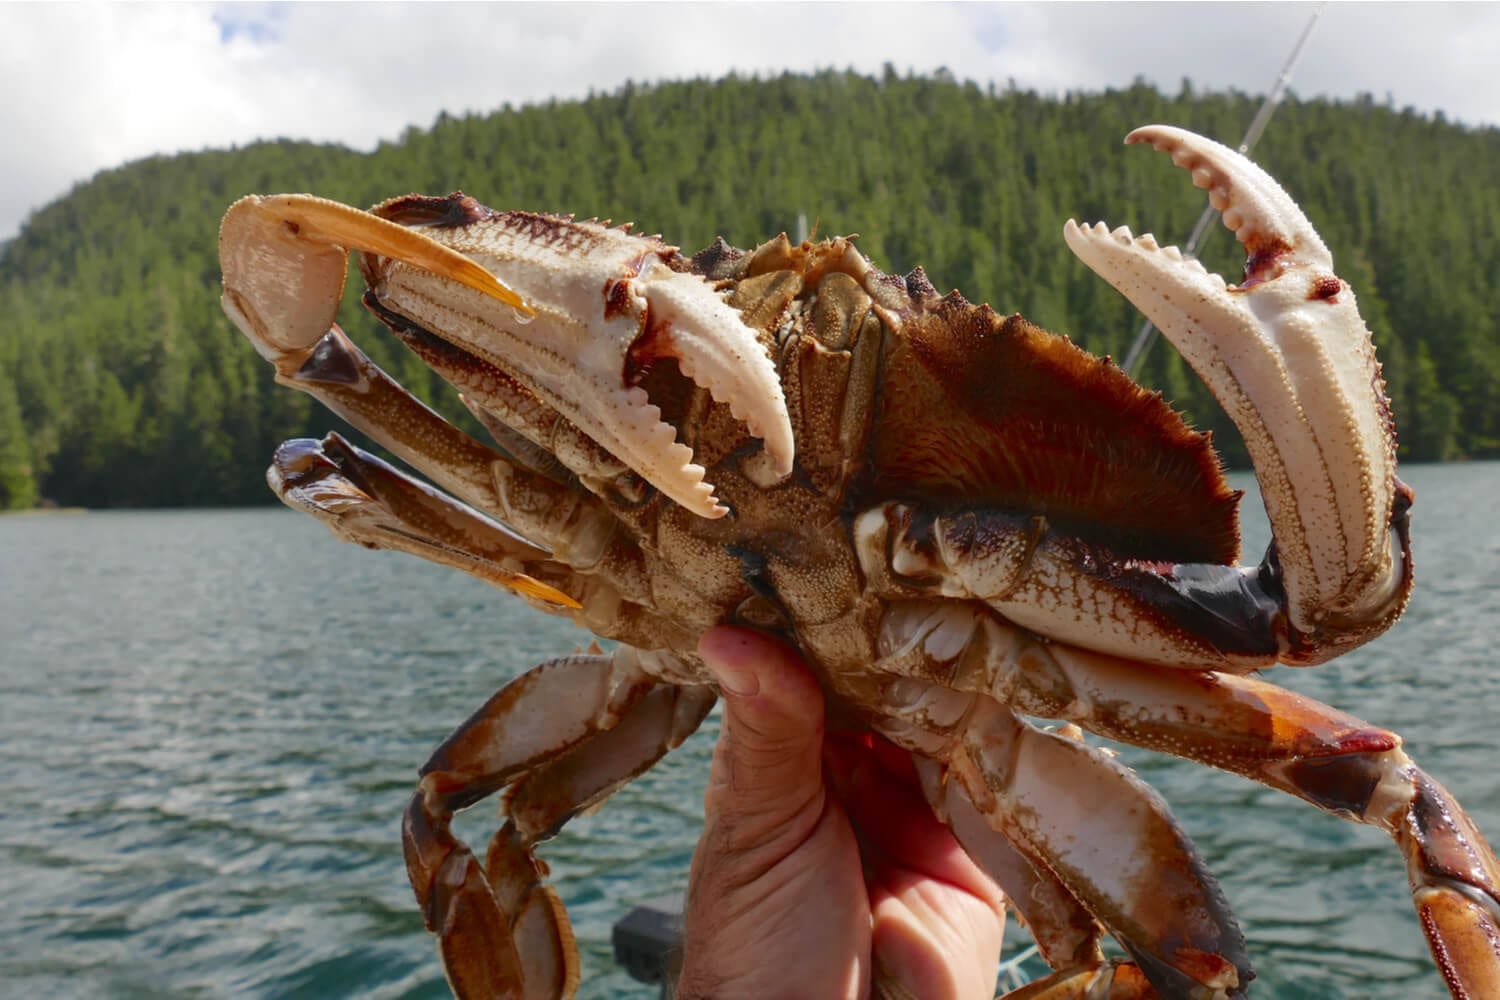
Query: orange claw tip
321,219
529,586
1210,969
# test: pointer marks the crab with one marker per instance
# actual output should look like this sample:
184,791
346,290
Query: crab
962,522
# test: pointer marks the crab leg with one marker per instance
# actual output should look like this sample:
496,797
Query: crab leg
1110,839
1102,833
1273,736
563,737
365,501
1066,933
1319,754
573,525
1291,361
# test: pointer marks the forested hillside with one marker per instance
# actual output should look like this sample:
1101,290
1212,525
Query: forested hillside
121,383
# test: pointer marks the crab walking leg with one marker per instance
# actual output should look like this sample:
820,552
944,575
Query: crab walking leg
1065,932
572,524
564,736
1317,753
1266,733
1101,832
1110,839
1292,363
363,500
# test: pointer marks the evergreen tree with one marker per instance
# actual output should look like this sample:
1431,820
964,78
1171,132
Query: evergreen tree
121,382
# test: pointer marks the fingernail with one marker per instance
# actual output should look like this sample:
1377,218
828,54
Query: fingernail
724,653
735,679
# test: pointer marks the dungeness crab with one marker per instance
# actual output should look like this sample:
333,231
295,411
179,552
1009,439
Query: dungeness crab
959,519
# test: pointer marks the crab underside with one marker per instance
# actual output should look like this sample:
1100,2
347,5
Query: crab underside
960,520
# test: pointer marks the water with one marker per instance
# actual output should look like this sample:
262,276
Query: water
210,723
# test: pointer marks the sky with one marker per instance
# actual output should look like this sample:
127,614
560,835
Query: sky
93,86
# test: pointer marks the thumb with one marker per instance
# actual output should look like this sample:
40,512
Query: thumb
768,763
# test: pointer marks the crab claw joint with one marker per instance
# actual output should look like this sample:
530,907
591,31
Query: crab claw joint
1291,361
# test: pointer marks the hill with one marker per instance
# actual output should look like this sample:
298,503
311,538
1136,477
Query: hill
121,383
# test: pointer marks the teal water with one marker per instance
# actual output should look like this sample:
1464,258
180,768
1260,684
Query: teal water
210,724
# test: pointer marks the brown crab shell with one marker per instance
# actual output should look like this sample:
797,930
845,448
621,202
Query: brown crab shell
974,409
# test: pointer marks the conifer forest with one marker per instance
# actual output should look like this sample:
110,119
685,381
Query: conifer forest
122,383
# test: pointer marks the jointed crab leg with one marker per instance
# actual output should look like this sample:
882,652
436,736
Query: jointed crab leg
1108,837
1319,754
1270,735
1066,933
1102,833
563,737
574,526
366,501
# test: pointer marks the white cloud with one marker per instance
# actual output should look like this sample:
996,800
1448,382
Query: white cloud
93,86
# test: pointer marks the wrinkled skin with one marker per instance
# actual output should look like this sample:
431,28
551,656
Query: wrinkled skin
819,850
959,520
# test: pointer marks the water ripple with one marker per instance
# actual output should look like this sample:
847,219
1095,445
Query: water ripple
212,722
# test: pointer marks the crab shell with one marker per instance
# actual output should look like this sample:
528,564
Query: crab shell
958,518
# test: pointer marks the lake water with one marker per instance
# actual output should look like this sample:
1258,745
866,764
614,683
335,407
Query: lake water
210,723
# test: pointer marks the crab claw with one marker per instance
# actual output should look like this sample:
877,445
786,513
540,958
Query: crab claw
596,306
1291,361
285,256
608,305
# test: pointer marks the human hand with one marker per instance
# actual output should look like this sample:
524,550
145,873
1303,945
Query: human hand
820,861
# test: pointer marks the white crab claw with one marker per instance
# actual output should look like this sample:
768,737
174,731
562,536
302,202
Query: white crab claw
602,300
1292,363
734,368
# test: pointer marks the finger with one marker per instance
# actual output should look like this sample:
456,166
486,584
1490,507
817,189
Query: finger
896,826
767,764
934,945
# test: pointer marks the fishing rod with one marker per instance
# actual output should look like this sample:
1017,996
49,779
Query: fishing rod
1146,336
